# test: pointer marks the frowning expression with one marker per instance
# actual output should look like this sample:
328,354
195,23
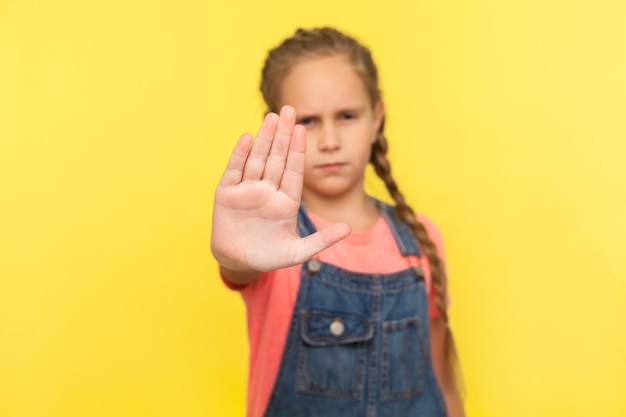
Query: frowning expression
331,101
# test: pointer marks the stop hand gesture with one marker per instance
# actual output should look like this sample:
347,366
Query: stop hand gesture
257,200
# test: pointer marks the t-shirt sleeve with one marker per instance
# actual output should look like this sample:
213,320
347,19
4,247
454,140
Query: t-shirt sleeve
435,235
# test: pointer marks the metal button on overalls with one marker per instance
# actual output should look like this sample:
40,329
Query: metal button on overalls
337,328
314,266
419,272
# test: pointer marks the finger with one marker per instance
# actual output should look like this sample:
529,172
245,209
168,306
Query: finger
293,176
317,242
255,165
275,165
234,170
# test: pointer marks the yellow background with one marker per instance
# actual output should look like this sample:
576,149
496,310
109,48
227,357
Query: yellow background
506,121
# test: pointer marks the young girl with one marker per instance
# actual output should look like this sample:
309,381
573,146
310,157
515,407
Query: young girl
345,295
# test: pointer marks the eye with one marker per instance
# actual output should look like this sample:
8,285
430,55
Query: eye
306,122
347,116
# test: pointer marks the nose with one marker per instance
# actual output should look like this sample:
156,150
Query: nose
329,139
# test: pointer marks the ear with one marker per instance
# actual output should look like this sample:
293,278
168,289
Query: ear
379,116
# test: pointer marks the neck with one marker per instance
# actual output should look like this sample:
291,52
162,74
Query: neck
356,209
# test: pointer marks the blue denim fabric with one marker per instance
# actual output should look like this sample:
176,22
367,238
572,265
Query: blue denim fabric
358,344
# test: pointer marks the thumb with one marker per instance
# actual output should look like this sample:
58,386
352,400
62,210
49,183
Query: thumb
318,241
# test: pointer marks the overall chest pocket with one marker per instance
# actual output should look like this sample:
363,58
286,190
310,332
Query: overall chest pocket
332,354
403,359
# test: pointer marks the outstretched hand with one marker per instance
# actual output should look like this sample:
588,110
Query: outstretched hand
257,201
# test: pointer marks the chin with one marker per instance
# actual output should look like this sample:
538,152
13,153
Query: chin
329,192
329,188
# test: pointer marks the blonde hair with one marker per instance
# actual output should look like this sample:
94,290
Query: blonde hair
319,42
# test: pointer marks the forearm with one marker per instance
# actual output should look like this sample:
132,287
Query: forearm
443,369
239,277
454,404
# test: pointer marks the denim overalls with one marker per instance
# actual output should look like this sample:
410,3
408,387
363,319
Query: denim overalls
358,344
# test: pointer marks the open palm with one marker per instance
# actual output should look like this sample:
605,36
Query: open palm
257,200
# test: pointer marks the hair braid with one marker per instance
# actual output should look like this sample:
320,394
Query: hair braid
382,167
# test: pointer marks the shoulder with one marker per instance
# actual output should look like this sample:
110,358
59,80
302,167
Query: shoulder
430,226
433,232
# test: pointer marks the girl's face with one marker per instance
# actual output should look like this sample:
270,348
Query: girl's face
331,101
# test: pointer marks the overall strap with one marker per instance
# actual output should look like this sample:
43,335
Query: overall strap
305,226
401,231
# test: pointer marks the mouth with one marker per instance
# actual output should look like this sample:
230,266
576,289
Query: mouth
331,166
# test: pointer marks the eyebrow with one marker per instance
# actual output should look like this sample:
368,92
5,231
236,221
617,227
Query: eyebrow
357,109
353,109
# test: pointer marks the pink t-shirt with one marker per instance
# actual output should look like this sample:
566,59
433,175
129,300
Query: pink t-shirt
271,299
